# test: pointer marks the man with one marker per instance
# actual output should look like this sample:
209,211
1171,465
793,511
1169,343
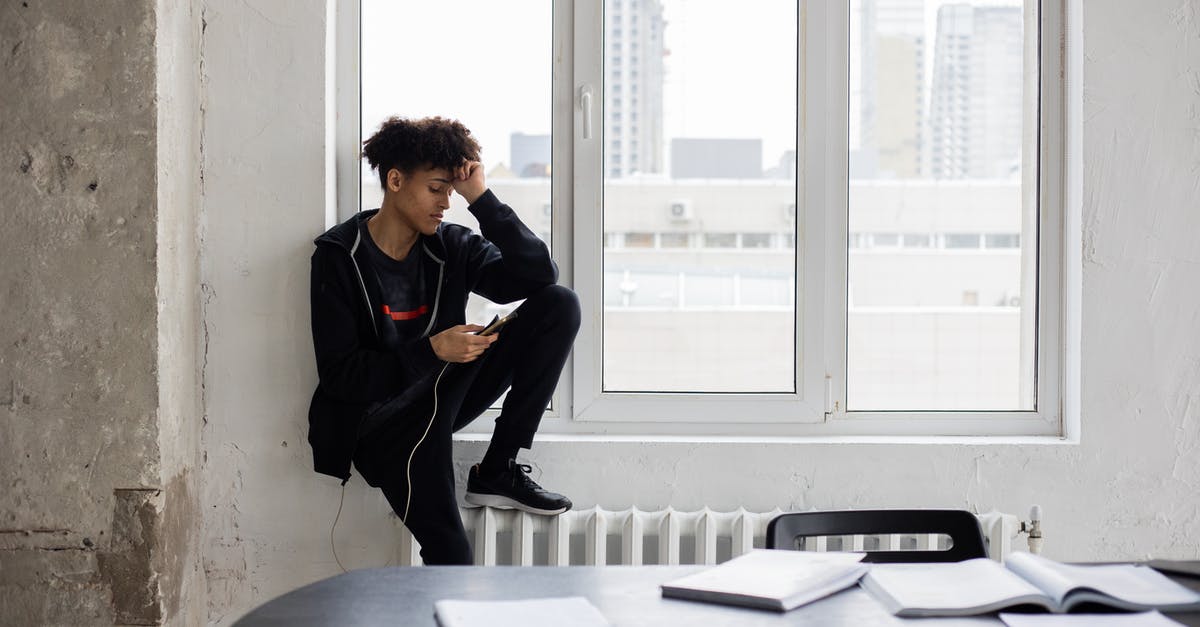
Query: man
399,370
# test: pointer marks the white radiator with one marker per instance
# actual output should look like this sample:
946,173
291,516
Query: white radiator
597,536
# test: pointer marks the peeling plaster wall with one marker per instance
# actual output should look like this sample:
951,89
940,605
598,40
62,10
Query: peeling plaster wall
78,380
1127,490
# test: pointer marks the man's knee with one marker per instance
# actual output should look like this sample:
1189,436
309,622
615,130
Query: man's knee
560,302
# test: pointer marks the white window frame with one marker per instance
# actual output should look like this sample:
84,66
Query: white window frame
817,408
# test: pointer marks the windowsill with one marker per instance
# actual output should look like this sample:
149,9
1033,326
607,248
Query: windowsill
955,440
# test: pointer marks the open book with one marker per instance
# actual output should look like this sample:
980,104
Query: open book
771,579
980,586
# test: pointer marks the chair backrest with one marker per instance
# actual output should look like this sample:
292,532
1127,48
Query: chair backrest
961,526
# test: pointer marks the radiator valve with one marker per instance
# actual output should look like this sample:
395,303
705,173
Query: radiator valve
1033,527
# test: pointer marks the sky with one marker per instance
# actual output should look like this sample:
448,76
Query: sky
488,64
492,70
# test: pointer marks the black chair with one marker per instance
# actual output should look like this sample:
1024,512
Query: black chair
961,526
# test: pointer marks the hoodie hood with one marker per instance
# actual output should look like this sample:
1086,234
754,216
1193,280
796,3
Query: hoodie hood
344,235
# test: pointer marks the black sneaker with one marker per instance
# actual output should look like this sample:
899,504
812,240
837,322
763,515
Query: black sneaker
512,488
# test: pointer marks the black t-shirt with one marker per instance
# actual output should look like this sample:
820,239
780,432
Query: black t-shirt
402,284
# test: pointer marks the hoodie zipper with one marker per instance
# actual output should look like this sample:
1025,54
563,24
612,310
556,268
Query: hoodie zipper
437,296
363,285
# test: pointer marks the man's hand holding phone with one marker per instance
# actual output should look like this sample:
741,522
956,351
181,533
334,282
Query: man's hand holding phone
466,342
461,344
497,322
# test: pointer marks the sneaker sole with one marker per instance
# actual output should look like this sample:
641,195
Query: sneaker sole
503,502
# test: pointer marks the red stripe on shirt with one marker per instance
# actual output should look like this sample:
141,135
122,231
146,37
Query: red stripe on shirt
405,315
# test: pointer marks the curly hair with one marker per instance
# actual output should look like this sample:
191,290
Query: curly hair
407,144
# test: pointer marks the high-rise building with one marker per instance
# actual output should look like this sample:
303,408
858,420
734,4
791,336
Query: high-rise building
529,155
785,169
864,92
633,94
900,28
887,88
976,101
900,113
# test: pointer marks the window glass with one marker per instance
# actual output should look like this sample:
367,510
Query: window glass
685,161
943,141
513,127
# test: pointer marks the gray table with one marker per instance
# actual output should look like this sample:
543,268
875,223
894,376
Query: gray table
626,595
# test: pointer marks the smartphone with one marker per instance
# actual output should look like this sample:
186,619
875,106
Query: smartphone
497,322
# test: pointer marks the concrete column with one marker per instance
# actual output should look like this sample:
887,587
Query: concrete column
99,388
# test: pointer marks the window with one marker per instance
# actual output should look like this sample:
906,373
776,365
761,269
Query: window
514,131
639,240
756,240
720,240
1002,240
911,290
961,240
673,240
885,240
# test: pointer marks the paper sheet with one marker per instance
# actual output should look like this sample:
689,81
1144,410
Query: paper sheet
575,611
1141,619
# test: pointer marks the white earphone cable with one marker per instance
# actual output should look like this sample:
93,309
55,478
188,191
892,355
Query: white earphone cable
408,466
407,475
332,547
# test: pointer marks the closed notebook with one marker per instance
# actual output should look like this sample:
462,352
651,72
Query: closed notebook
770,579
981,586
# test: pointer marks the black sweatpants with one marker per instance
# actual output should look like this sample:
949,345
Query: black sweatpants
529,356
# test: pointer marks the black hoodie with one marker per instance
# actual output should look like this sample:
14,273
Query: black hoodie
355,370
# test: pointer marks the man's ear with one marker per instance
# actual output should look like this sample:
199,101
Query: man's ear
395,180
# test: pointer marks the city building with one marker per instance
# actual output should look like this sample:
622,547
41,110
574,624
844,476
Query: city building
932,263
633,90
529,155
887,88
976,110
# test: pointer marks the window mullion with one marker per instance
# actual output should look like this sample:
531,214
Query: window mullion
587,198
562,172
824,138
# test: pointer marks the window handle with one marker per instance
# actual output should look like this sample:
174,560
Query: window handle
585,103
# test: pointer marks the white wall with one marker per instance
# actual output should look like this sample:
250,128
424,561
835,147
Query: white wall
267,514
1127,490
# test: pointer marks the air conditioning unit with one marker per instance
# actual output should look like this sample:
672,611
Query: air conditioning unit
680,210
